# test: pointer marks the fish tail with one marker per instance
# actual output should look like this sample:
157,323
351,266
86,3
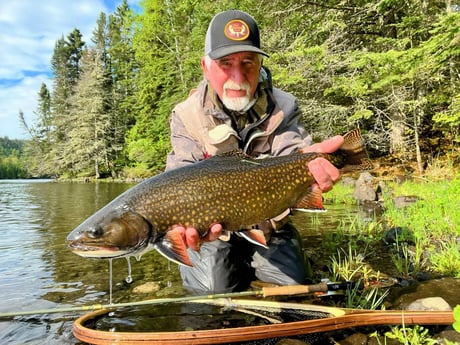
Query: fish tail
353,152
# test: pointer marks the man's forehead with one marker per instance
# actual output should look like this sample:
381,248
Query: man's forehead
240,56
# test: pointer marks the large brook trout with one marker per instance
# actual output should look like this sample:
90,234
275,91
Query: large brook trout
231,189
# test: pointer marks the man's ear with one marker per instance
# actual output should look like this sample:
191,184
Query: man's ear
204,65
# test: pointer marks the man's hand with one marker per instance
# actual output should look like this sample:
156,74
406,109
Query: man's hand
192,237
322,170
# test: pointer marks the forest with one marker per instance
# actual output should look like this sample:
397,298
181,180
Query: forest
389,67
12,164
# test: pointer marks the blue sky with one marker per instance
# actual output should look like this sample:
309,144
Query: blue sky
28,32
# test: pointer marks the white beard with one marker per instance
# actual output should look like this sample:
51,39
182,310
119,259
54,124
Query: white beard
236,103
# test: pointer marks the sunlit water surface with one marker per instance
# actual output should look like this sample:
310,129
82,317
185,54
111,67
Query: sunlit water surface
39,272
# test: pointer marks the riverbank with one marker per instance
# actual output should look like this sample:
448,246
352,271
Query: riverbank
407,238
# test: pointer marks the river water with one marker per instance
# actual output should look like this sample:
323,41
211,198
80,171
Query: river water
38,272
37,269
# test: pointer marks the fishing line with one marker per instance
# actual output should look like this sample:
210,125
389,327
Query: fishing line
95,307
110,281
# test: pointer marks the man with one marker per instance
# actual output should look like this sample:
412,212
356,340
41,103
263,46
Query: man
236,107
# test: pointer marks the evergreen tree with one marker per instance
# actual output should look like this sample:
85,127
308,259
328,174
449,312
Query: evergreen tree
65,64
169,43
88,146
359,63
38,148
123,69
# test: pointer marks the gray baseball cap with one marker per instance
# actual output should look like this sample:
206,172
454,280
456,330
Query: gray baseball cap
231,32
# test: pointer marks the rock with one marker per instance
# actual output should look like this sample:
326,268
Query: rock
348,181
447,288
405,200
451,335
355,339
148,287
371,209
430,303
364,188
398,234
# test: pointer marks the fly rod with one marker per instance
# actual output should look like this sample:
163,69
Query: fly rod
264,292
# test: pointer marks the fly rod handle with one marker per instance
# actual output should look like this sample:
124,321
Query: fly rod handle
293,289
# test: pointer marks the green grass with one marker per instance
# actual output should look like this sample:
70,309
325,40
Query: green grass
434,221
435,215
430,239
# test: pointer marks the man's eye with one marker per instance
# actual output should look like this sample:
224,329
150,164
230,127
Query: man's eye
224,63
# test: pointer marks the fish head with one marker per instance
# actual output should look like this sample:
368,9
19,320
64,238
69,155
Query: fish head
115,233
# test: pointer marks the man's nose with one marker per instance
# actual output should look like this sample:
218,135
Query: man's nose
238,75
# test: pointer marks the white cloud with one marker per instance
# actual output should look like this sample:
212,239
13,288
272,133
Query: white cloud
22,96
29,30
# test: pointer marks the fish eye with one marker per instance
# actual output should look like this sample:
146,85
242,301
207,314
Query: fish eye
95,232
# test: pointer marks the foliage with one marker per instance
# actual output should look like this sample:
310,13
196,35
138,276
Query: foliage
408,335
407,262
11,167
388,67
11,162
447,258
456,324
432,215
348,266
87,146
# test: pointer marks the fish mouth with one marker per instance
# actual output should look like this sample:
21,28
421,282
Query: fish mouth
106,251
90,251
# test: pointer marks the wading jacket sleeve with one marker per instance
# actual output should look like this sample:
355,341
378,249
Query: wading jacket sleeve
199,129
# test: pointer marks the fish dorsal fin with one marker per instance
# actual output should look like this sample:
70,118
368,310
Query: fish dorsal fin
236,153
255,236
312,201
172,247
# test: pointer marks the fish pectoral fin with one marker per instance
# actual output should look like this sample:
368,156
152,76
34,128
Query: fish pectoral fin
172,246
255,236
312,201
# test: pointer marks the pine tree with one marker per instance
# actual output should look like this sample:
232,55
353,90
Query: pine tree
65,64
123,68
38,148
168,54
87,146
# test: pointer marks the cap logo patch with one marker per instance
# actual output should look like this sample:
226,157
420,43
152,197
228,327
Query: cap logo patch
236,30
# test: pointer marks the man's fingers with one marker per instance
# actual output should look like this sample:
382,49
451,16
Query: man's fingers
324,173
192,238
327,146
214,232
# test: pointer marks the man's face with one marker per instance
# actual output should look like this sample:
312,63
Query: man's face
234,78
